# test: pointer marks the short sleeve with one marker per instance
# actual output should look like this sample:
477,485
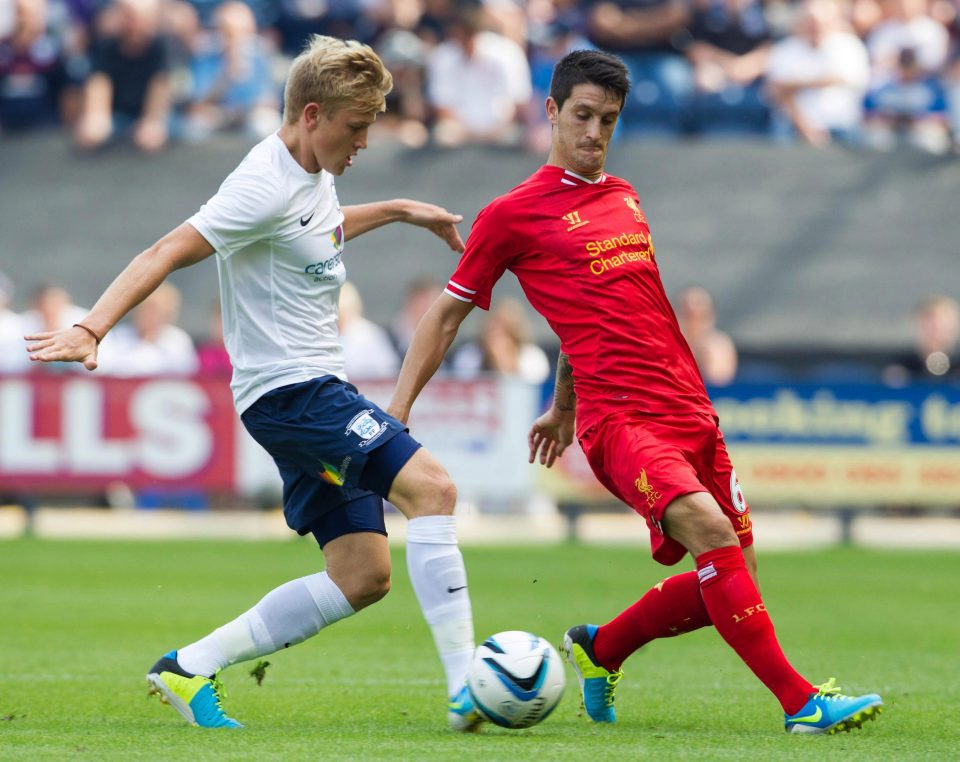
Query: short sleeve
489,251
247,208
103,59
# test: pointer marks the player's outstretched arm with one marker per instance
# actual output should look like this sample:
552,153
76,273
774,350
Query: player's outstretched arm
552,432
182,247
362,218
433,337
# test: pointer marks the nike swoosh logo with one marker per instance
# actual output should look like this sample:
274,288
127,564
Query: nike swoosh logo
305,222
815,717
454,589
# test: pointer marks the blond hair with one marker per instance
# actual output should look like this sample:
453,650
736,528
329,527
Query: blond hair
336,73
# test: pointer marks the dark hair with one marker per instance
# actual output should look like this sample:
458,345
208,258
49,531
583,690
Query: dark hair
591,67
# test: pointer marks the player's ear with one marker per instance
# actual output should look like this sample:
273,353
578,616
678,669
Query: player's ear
311,115
553,112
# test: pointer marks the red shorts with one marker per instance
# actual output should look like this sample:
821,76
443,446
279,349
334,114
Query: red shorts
650,462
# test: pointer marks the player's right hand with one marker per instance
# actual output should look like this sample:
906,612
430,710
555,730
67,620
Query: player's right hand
550,435
69,345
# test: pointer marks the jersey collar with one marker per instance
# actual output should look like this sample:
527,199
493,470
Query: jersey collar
566,177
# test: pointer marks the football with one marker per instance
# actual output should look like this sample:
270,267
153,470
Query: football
516,679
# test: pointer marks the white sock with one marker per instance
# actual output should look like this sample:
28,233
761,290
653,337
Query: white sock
440,582
285,616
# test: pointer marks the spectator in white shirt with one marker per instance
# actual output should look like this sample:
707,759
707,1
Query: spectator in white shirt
504,347
13,358
52,309
907,24
478,83
817,76
367,350
153,345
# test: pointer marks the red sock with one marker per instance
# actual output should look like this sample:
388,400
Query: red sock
739,614
671,608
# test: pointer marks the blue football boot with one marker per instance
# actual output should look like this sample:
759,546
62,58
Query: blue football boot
829,711
597,683
462,715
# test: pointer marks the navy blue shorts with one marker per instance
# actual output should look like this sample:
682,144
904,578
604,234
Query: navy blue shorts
337,453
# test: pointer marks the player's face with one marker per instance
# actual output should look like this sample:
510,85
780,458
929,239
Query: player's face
583,128
340,136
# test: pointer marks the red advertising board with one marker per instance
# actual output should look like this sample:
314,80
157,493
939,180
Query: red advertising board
67,432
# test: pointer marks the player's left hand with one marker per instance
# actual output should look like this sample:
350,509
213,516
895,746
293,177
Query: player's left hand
550,435
437,220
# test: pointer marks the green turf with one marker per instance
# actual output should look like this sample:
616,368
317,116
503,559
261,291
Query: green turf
81,622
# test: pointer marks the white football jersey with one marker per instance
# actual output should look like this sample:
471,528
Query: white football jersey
278,234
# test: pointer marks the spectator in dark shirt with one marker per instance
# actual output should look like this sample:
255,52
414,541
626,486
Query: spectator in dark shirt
35,89
728,51
936,351
128,90
297,20
647,35
433,21
555,28
404,54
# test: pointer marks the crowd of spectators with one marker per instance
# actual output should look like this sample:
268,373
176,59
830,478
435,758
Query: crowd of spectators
150,343
866,72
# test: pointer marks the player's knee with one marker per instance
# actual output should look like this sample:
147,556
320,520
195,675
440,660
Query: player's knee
445,495
697,522
437,494
377,588
424,488
368,588
717,532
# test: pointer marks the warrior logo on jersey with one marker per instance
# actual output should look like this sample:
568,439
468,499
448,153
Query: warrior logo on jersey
634,204
644,488
574,221
336,238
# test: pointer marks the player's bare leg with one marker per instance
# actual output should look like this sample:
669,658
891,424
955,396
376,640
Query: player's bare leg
359,565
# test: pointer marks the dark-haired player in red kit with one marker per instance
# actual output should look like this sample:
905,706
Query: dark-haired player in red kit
579,243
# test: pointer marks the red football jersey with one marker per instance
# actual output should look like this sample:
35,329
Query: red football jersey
583,255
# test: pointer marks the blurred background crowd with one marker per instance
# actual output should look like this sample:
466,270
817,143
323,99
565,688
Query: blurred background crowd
869,74
151,343
873,73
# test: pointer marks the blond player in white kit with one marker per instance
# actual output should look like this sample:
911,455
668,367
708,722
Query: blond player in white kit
278,232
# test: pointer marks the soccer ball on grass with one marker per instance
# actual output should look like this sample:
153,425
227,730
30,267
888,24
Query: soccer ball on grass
516,679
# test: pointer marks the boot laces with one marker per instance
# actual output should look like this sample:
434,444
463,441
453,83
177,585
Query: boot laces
829,690
219,692
610,688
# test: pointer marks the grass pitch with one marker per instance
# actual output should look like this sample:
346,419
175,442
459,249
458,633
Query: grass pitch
81,622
